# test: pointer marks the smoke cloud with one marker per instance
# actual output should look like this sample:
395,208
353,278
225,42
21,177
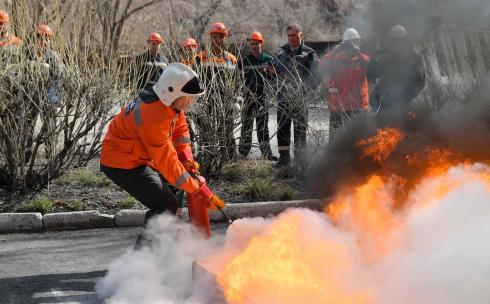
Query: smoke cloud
160,274
441,254
459,127
374,18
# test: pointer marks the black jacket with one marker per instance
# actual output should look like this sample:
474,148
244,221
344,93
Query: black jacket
298,66
401,79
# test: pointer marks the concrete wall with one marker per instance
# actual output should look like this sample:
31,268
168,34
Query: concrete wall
456,59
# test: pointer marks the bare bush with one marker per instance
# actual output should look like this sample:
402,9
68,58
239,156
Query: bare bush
54,105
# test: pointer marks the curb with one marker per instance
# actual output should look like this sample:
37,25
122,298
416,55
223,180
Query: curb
35,222
77,220
21,222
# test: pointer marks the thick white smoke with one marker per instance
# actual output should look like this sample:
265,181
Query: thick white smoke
160,274
441,257
444,258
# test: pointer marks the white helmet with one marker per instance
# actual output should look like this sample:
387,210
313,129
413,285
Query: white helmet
398,31
177,80
351,34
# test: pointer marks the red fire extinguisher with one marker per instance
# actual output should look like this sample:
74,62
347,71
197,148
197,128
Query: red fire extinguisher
198,212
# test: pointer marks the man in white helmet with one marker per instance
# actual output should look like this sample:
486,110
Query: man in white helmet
344,71
147,146
398,72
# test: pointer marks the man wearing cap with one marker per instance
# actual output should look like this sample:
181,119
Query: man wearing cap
6,38
398,72
344,72
9,43
147,146
218,68
46,69
149,65
189,51
257,69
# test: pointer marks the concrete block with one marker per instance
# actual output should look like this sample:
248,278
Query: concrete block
130,218
77,220
21,222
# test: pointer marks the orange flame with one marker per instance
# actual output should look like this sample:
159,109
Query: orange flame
368,211
380,146
280,267
283,265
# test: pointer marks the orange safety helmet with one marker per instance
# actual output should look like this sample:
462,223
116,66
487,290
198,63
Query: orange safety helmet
45,30
4,16
256,36
190,44
218,28
155,37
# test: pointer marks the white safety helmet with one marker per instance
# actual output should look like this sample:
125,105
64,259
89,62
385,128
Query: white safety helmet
178,80
397,31
351,34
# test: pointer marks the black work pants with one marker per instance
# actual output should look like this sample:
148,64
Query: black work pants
255,108
291,112
147,186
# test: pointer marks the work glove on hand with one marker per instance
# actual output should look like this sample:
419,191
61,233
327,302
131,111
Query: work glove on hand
191,166
215,203
207,197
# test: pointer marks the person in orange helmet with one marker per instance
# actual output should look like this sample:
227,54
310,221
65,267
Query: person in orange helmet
7,39
217,56
44,53
44,34
189,48
149,65
147,146
256,69
218,67
41,57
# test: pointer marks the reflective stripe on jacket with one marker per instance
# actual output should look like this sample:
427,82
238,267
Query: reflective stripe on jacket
10,40
224,60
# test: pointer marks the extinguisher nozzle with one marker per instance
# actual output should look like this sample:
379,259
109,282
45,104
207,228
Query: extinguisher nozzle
228,219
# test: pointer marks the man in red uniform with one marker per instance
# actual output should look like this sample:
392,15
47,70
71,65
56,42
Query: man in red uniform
147,146
345,71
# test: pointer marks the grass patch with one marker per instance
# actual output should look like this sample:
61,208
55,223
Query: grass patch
43,205
128,203
258,189
266,189
76,206
243,170
287,193
85,178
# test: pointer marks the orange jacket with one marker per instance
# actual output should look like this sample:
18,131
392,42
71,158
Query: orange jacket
146,132
188,61
224,60
11,40
347,84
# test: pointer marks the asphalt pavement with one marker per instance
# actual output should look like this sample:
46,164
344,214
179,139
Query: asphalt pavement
61,267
